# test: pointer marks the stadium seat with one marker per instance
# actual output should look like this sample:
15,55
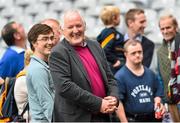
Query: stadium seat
90,22
84,4
125,6
122,26
5,4
156,37
94,11
108,2
59,6
94,31
152,23
162,4
3,22
42,16
25,3
8,13
47,3
34,10
141,3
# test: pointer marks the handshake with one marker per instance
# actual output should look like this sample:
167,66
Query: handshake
109,104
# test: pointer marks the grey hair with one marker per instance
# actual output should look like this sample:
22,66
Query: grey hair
68,13
173,19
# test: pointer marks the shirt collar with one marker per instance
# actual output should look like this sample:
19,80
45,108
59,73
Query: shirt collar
84,44
17,49
138,37
40,61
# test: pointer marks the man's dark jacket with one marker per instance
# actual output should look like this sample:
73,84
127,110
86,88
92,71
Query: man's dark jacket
74,101
148,49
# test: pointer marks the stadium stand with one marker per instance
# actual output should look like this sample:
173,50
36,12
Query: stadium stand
29,12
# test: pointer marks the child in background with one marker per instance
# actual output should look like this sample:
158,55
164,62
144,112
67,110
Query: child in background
110,39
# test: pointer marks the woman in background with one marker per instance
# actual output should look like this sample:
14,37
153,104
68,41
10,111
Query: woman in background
20,88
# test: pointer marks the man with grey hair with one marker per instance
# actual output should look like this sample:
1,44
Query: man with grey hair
168,55
85,89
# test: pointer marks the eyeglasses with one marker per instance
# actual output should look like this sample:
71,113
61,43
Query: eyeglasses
45,39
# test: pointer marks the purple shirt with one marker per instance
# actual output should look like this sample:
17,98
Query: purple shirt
92,70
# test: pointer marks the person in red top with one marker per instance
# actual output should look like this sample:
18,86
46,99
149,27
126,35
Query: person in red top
85,89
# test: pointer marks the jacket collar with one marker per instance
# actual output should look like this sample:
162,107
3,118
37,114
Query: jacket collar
40,61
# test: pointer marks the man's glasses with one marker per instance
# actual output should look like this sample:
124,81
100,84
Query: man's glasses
45,39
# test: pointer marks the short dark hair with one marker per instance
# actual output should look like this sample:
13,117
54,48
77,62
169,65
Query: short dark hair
130,15
8,33
37,30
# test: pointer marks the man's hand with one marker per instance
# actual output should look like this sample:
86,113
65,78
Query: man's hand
109,104
117,64
157,101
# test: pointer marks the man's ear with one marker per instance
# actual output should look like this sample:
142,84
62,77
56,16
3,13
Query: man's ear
114,17
61,31
125,53
17,35
34,44
129,23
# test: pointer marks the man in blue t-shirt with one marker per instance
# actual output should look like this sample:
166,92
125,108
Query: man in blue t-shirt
12,61
139,89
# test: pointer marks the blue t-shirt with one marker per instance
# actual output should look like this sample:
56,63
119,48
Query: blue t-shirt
137,92
12,62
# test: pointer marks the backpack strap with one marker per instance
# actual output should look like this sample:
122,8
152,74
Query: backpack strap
3,95
21,73
25,109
